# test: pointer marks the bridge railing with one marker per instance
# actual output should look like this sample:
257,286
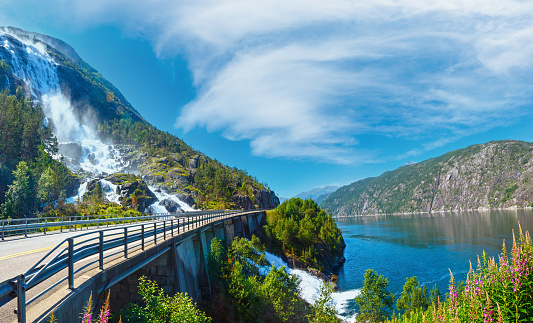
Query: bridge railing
11,227
105,245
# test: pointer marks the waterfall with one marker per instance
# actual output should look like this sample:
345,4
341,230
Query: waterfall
310,287
77,137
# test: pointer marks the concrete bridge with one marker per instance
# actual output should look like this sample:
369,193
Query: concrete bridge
172,252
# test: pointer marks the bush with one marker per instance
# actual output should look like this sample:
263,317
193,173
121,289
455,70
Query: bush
160,308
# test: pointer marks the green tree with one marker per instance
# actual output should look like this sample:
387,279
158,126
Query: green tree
20,195
45,187
217,262
244,292
374,301
413,296
435,295
324,309
298,228
280,290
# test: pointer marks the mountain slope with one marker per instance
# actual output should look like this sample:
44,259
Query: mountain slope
492,175
100,133
318,194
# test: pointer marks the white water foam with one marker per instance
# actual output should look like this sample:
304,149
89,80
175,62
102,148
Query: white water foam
310,288
79,195
156,208
110,191
31,63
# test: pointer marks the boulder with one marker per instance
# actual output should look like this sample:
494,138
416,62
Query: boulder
128,184
187,199
91,186
171,206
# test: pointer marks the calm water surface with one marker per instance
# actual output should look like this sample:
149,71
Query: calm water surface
423,245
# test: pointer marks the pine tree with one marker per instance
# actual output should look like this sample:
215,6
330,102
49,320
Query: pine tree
20,196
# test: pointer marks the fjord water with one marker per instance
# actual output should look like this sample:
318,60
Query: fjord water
424,245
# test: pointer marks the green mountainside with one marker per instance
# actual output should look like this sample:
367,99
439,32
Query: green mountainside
158,158
497,174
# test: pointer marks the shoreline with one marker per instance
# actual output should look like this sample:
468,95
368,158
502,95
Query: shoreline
480,209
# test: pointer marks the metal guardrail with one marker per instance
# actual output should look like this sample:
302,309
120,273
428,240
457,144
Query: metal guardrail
70,252
11,227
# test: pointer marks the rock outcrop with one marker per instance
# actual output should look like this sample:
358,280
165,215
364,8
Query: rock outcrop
133,191
171,206
493,175
266,199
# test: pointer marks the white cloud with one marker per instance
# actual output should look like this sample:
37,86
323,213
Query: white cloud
303,79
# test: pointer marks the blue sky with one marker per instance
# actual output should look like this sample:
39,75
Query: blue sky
303,94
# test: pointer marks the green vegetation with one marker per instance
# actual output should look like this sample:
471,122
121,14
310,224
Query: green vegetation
486,175
182,168
239,294
413,296
242,294
496,291
374,301
89,86
161,308
31,181
29,176
302,230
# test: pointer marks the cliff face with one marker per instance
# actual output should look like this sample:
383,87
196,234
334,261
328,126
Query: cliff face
493,175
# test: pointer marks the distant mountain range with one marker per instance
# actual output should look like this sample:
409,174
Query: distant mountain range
497,174
318,194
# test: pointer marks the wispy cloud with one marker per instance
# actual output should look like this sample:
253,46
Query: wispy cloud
303,79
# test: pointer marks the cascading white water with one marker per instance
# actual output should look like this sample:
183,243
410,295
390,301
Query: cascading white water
79,195
110,191
31,63
156,208
310,287
77,138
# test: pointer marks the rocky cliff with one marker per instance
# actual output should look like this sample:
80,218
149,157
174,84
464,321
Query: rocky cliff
493,175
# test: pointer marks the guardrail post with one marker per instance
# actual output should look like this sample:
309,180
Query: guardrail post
21,299
172,227
26,229
71,263
155,233
3,227
61,225
45,222
142,237
164,230
126,243
101,250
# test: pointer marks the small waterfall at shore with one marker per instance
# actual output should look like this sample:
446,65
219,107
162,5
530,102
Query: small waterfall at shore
310,288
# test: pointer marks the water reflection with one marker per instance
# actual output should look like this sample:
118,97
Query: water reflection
423,230
424,245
